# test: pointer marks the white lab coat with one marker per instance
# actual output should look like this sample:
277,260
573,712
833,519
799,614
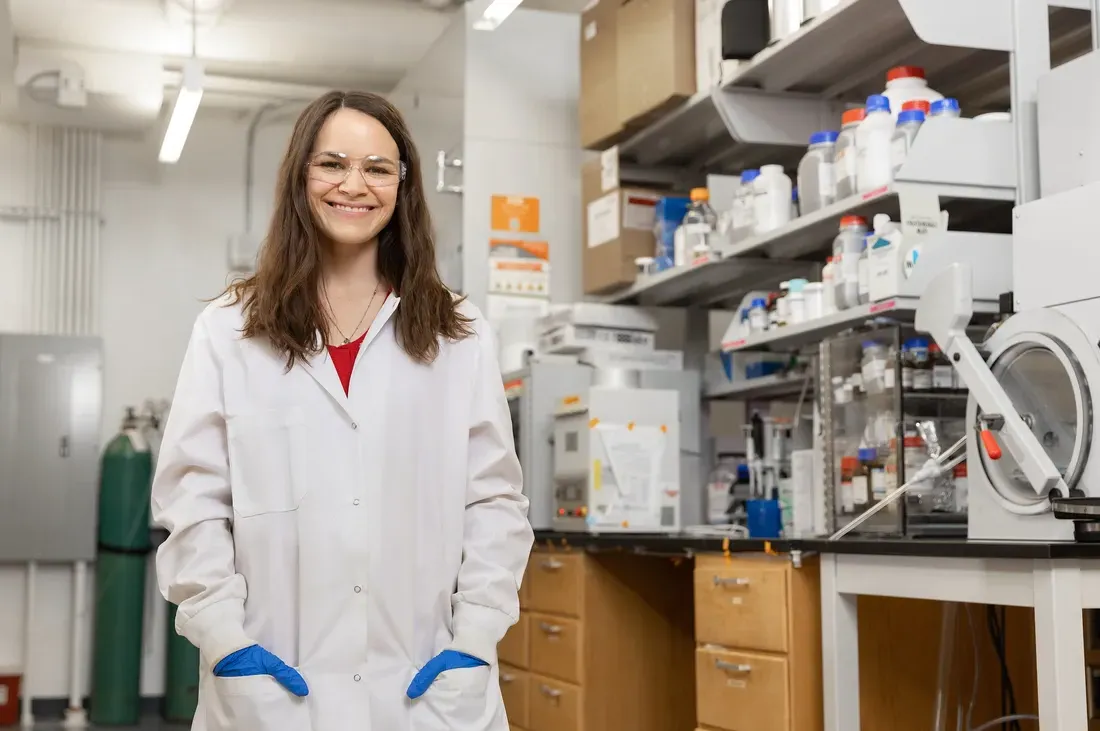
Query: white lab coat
353,536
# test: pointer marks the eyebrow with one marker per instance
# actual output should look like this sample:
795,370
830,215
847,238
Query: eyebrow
372,158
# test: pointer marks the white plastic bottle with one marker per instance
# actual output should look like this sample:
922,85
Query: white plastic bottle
946,107
905,132
772,199
816,178
905,83
873,138
845,160
863,273
743,207
846,250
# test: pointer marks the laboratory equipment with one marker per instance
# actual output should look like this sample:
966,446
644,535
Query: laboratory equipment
771,206
874,436
816,176
50,400
617,457
742,213
573,328
126,479
847,247
699,224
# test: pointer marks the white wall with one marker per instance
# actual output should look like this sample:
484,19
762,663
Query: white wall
164,251
522,139
430,97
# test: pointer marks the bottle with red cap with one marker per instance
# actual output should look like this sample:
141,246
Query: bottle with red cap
844,159
907,83
847,247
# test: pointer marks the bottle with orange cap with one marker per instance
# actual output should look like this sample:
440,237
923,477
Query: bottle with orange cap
845,155
700,223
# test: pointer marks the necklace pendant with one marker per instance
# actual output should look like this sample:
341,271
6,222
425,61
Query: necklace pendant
346,341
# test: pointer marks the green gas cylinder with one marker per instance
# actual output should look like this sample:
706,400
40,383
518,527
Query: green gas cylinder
181,677
126,476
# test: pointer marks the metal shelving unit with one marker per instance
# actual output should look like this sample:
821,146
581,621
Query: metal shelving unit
769,387
793,337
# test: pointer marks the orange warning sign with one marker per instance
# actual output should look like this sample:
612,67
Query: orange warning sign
515,214
536,249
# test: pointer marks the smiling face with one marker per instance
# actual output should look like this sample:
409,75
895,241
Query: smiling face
354,178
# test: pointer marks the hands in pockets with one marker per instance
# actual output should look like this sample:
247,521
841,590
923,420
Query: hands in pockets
458,700
255,703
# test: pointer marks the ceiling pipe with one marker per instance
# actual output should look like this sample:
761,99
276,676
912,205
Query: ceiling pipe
269,90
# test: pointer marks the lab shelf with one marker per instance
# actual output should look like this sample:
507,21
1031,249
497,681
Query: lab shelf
714,283
845,52
729,131
768,387
793,337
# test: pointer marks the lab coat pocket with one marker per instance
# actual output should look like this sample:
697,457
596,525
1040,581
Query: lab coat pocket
256,703
265,449
459,700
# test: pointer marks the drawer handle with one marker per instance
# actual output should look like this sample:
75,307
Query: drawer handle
549,692
732,667
550,564
550,629
507,677
731,581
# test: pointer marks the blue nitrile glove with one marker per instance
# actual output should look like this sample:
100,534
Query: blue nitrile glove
255,660
444,661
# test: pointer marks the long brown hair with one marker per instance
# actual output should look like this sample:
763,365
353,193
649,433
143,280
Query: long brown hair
281,300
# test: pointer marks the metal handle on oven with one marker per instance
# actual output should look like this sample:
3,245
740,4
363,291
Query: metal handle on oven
731,581
732,667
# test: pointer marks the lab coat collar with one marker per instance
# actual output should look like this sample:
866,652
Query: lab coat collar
320,366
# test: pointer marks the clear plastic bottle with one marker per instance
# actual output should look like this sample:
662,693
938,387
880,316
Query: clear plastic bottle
863,273
909,123
906,83
772,200
828,287
873,137
758,316
846,160
720,490
922,364
816,177
946,107
743,207
699,224
847,247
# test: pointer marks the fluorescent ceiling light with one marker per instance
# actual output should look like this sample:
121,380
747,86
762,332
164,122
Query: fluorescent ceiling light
183,113
497,12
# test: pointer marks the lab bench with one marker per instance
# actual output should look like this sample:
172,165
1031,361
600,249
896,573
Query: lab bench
779,644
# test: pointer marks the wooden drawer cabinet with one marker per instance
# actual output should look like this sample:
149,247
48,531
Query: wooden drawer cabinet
604,643
758,630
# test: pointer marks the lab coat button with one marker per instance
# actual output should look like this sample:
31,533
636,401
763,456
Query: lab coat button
354,425
355,501
358,589
357,678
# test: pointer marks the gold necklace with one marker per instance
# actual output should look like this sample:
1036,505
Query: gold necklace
332,313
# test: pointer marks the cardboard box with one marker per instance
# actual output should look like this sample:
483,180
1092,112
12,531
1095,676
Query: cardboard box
656,57
599,99
618,227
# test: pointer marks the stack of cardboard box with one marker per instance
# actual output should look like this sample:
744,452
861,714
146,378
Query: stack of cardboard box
640,59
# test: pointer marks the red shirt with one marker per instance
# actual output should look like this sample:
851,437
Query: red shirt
343,357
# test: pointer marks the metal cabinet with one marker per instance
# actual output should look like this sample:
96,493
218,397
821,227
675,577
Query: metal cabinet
51,393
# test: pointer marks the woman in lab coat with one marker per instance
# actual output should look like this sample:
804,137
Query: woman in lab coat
346,528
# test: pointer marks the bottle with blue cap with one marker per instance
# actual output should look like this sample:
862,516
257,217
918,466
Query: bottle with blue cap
874,136
945,108
742,210
816,176
758,316
909,122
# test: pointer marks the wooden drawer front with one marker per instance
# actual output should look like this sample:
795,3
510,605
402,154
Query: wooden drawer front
555,583
513,649
556,647
741,604
742,691
553,705
514,687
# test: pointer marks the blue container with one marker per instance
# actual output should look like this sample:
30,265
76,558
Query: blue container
764,519
670,213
